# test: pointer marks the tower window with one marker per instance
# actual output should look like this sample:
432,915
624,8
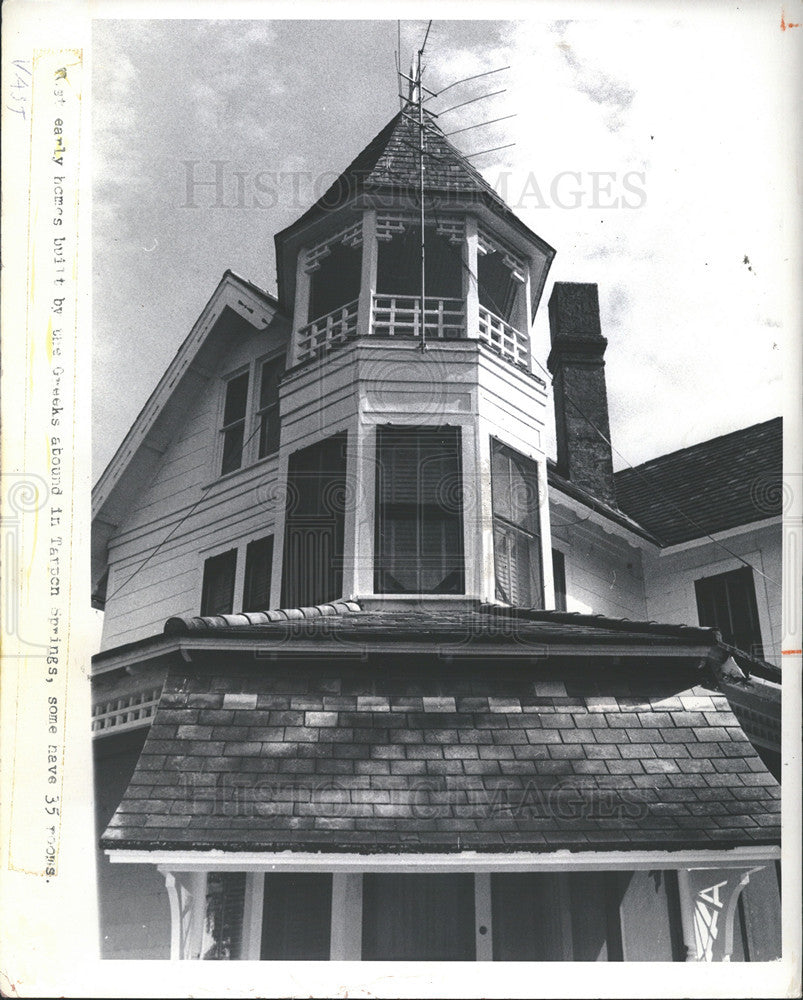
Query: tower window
335,281
517,542
217,596
233,429
727,602
313,541
419,511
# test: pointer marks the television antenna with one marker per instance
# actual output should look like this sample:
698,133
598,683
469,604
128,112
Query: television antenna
412,109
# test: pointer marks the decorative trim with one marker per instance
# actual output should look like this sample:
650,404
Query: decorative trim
129,712
350,237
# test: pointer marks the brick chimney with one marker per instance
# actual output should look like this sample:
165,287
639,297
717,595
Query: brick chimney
578,370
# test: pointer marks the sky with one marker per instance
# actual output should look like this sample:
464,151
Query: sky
650,150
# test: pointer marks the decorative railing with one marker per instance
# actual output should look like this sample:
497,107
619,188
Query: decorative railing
327,331
400,316
508,341
128,712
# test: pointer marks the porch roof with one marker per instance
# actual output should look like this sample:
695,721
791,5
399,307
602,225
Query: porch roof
416,753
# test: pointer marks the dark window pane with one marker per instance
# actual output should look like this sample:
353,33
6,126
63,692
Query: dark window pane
313,543
496,285
236,396
297,917
269,406
419,507
336,280
232,448
225,904
418,918
728,602
559,576
258,563
217,596
399,265
530,922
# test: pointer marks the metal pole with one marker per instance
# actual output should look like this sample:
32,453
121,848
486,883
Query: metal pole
419,71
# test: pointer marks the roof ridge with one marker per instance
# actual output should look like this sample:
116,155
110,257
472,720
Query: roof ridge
182,624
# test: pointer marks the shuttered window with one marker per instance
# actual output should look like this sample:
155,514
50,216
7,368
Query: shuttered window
258,563
268,412
217,596
223,926
233,430
728,602
517,544
419,511
315,516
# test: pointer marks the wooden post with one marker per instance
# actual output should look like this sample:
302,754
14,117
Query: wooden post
370,257
470,283
346,939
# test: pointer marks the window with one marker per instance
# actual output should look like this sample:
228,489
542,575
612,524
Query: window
268,412
419,511
559,578
315,515
258,564
728,602
517,543
233,429
217,596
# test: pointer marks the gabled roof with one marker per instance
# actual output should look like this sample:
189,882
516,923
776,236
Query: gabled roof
415,754
723,483
235,306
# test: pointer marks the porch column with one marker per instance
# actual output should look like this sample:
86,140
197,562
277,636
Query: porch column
346,940
708,899
370,256
186,892
471,280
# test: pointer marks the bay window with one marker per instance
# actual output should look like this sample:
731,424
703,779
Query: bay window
419,515
517,541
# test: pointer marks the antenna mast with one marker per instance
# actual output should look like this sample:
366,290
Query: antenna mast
418,95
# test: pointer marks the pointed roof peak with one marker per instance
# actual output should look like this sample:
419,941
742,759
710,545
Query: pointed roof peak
390,162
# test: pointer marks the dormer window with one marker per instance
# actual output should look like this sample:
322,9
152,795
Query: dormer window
233,429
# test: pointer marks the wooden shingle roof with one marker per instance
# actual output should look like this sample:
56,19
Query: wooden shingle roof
419,753
728,481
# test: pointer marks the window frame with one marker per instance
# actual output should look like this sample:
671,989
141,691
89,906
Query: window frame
741,573
254,413
225,428
501,523
240,546
390,512
228,552
261,412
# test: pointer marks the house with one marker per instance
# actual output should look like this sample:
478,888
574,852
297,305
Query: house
507,709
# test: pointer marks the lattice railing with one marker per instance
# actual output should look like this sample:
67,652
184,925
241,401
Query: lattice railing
127,712
400,316
510,342
327,331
